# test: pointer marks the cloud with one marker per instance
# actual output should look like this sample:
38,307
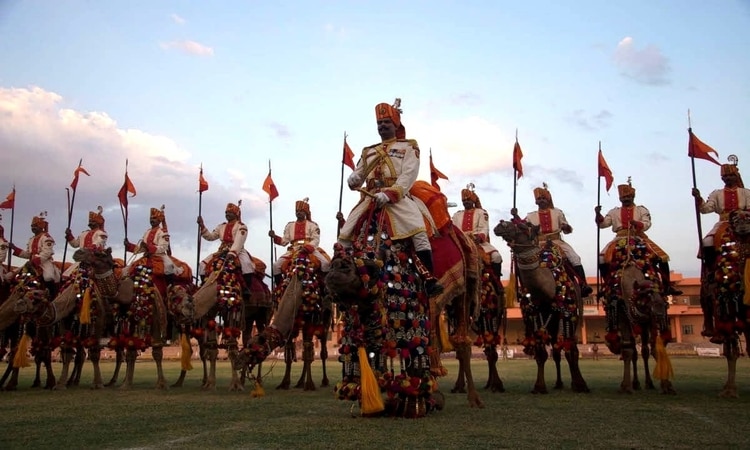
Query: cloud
646,66
188,46
590,122
42,142
465,99
177,19
280,130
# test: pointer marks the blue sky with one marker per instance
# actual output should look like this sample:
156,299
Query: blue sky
233,85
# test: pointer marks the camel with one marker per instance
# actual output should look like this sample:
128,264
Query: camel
553,306
725,295
83,305
313,320
635,308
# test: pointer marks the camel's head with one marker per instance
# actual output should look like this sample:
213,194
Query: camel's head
180,303
350,278
99,259
648,299
739,220
517,232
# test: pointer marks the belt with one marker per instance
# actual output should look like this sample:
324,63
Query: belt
379,183
550,236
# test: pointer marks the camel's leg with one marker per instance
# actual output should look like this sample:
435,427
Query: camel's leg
635,381
67,357
494,382
37,371
130,356
232,351
289,351
323,358
557,358
463,354
731,353
541,356
45,358
646,357
577,383
78,360
180,380
211,355
7,372
119,359
13,381
157,352
628,353
308,356
460,386
95,356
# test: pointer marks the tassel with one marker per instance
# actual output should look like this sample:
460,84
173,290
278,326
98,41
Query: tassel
85,316
21,360
257,391
745,281
663,369
187,352
445,342
372,401
510,291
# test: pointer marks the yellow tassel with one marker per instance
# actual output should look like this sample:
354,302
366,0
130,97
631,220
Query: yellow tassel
372,401
510,291
445,342
21,360
663,369
258,391
187,352
745,281
86,307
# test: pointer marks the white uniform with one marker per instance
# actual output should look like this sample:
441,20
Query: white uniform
550,222
90,239
722,202
3,259
233,236
296,235
40,250
476,223
390,167
156,241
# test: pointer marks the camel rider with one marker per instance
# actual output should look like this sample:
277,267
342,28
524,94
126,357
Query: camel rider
303,232
474,222
723,201
39,251
232,234
552,225
4,274
389,169
156,252
95,238
632,219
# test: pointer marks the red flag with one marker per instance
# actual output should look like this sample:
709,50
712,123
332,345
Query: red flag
270,187
202,183
10,200
79,170
348,155
127,188
697,149
435,174
604,171
517,155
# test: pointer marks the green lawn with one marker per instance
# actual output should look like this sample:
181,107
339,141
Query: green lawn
191,418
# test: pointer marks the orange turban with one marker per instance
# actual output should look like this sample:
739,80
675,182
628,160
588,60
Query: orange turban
157,213
386,111
39,222
468,194
234,209
729,169
302,205
96,217
542,192
625,189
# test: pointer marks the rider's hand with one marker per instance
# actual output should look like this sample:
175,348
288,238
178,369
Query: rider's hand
636,224
69,235
200,222
696,193
381,199
126,242
355,180
271,234
598,209
566,228
339,216
514,212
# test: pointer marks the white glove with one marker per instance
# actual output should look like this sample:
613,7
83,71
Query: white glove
381,199
355,180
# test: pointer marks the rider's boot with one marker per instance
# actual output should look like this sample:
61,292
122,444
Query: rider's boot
51,288
277,279
497,269
432,287
667,285
248,277
709,255
585,288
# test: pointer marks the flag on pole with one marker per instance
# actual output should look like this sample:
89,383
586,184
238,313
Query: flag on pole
79,170
604,171
270,187
348,155
698,149
10,200
517,155
127,188
435,174
202,183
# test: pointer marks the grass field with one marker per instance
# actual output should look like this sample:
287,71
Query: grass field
190,418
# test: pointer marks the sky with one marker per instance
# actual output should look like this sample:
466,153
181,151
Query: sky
239,87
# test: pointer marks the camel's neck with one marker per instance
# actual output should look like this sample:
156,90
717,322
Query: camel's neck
527,257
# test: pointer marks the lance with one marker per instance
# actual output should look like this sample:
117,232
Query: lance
341,187
200,234
599,278
71,203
